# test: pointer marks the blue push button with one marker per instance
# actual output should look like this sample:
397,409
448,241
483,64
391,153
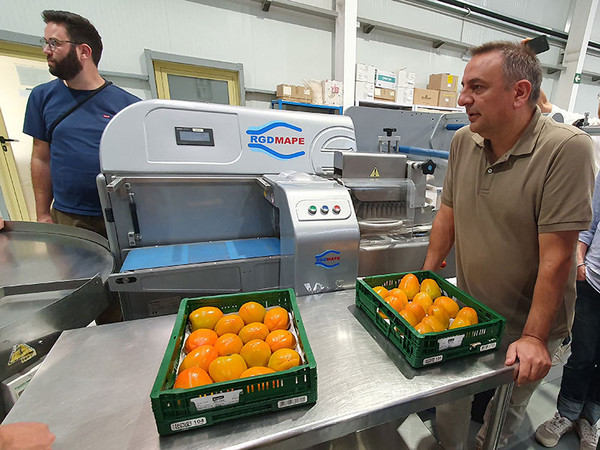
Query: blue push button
324,209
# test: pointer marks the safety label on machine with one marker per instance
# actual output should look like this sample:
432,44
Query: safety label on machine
21,353
185,424
374,173
216,400
292,401
450,342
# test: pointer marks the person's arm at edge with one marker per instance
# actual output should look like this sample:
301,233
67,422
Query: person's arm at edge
556,258
441,238
26,435
41,180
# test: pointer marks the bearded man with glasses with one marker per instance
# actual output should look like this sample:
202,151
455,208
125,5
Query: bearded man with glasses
66,118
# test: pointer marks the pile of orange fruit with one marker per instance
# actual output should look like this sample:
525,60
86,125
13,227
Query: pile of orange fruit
223,347
424,307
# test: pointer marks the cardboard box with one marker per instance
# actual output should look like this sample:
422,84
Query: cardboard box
364,90
443,82
365,72
385,94
333,93
447,99
405,95
301,94
384,79
284,92
405,78
427,97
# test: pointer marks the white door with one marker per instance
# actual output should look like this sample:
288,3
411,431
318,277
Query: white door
19,76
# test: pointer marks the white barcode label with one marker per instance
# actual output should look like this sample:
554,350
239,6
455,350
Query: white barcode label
433,359
450,342
292,401
185,424
489,346
216,400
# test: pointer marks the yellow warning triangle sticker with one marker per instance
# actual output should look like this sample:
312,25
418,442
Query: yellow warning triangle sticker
374,173
21,353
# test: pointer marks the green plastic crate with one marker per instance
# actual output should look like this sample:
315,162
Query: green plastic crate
182,409
425,349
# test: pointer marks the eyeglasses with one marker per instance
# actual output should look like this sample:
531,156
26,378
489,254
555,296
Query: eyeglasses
53,43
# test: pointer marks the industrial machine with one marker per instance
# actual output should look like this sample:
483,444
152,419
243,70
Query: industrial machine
204,199
395,181
52,278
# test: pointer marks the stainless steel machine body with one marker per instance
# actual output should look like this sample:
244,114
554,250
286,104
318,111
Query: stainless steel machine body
203,199
395,181
52,278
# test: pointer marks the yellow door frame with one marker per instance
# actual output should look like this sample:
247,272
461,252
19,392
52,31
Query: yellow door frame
9,177
164,68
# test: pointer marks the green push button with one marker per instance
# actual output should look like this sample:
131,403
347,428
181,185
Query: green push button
312,210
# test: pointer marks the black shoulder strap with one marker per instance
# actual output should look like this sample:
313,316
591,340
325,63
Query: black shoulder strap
74,107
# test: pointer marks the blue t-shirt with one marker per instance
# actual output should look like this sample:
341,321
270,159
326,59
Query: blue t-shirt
74,150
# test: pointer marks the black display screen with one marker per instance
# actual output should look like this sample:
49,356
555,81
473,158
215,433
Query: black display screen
194,136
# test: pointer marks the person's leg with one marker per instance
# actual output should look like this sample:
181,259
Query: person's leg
579,373
452,422
92,223
517,407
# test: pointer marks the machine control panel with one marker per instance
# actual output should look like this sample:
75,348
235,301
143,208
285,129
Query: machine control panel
321,209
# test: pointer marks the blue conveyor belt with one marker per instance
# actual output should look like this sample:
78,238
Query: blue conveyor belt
201,252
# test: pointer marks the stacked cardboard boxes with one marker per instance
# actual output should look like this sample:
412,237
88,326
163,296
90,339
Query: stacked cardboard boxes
385,85
405,87
364,88
293,93
446,85
333,93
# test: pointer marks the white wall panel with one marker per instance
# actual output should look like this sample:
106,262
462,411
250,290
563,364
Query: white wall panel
595,36
412,17
548,13
275,47
587,98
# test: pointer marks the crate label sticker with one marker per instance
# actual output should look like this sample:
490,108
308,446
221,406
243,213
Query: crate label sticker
185,424
217,400
450,342
489,346
433,359
21,353
292,401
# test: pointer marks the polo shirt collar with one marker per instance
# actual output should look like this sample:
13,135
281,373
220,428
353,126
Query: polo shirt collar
526,142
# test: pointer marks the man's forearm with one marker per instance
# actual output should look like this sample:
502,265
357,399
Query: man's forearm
441,239
556,260
42,186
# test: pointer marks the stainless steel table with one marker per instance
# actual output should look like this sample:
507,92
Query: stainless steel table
93,388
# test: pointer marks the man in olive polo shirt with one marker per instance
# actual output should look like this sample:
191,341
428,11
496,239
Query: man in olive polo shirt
517,192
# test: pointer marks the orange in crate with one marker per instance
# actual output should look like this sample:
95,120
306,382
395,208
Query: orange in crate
202,336
199,357
192,377
228,344
277,319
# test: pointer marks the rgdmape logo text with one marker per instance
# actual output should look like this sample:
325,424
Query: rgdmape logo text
259,140
328,259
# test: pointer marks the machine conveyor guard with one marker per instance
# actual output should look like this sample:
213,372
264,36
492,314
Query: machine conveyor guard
200,252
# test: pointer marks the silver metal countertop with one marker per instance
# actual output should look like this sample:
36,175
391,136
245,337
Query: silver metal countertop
93,388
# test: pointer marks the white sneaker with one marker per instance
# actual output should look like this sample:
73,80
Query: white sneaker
549,433
588,434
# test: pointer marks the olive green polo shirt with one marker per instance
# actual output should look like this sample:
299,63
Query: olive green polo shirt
543,184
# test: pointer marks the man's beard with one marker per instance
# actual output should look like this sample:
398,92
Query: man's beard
67,68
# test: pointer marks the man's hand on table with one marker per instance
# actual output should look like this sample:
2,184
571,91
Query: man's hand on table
25,436
532,355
